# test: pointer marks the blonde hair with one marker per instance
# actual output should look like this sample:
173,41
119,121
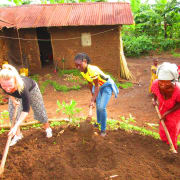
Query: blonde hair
8,72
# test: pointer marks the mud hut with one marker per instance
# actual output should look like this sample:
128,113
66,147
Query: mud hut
35,36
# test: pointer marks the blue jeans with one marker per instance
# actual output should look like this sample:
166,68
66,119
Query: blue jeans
102,100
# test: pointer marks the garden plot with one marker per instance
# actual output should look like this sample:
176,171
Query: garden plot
120,155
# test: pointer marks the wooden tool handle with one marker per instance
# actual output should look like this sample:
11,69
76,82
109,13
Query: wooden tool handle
3,161
90,111
166,131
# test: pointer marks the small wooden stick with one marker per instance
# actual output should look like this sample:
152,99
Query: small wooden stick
89,118
34,122
3,161
166,131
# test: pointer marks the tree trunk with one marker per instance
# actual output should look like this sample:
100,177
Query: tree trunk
165,27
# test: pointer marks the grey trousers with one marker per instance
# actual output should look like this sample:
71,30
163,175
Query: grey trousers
37,104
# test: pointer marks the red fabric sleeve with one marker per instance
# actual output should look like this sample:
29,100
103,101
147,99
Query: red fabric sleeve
178,92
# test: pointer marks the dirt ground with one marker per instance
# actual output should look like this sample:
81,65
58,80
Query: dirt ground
120,155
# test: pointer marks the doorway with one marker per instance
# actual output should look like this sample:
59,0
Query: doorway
45,47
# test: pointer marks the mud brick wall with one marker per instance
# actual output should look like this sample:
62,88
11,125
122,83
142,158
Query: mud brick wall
104,49
3,49
29,48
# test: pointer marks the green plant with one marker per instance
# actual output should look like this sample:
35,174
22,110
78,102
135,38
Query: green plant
124,85
75,72
167,44
128,120
25,128
3,100
83,82
43,86
36,125
176,55
152,125
35,77
4,116
136,46
48,76
57,123
57,86
69,109
113,124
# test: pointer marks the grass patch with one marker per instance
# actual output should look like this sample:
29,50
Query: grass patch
124,85
75,72
35,77
3,130
121,85
58,87
58,123
176,55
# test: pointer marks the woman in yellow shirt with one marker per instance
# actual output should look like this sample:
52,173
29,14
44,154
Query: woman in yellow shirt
153,72
101,86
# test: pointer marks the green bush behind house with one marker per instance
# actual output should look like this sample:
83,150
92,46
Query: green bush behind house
137,46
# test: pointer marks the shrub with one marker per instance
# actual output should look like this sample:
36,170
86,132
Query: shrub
136,46
167,44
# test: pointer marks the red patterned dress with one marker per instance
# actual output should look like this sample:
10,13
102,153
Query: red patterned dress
172,119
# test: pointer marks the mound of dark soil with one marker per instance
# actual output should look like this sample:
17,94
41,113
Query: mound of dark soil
67,155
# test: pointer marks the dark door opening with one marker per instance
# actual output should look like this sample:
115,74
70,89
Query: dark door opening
45,47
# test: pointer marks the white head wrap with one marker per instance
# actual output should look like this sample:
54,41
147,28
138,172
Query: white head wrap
167,71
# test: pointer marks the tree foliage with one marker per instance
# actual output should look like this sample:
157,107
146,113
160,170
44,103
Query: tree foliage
157,23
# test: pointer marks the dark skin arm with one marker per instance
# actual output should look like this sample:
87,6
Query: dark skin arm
177,106
93,99
90,87
155,100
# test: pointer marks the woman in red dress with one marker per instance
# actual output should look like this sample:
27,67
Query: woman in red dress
166,90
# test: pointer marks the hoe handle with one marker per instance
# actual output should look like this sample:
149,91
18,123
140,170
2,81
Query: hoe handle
5,153
166,131
3,161
89,118
90,111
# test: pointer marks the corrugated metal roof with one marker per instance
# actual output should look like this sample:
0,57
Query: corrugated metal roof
68,14
4,23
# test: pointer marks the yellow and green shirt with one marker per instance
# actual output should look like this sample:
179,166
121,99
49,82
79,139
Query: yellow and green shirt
93,72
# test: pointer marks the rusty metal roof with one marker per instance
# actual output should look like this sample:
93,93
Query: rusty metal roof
4,23
67,14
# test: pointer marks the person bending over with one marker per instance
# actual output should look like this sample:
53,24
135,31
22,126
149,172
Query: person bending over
166,90
23,92
101,87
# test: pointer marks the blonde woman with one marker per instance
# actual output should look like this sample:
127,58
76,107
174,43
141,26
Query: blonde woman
23,92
